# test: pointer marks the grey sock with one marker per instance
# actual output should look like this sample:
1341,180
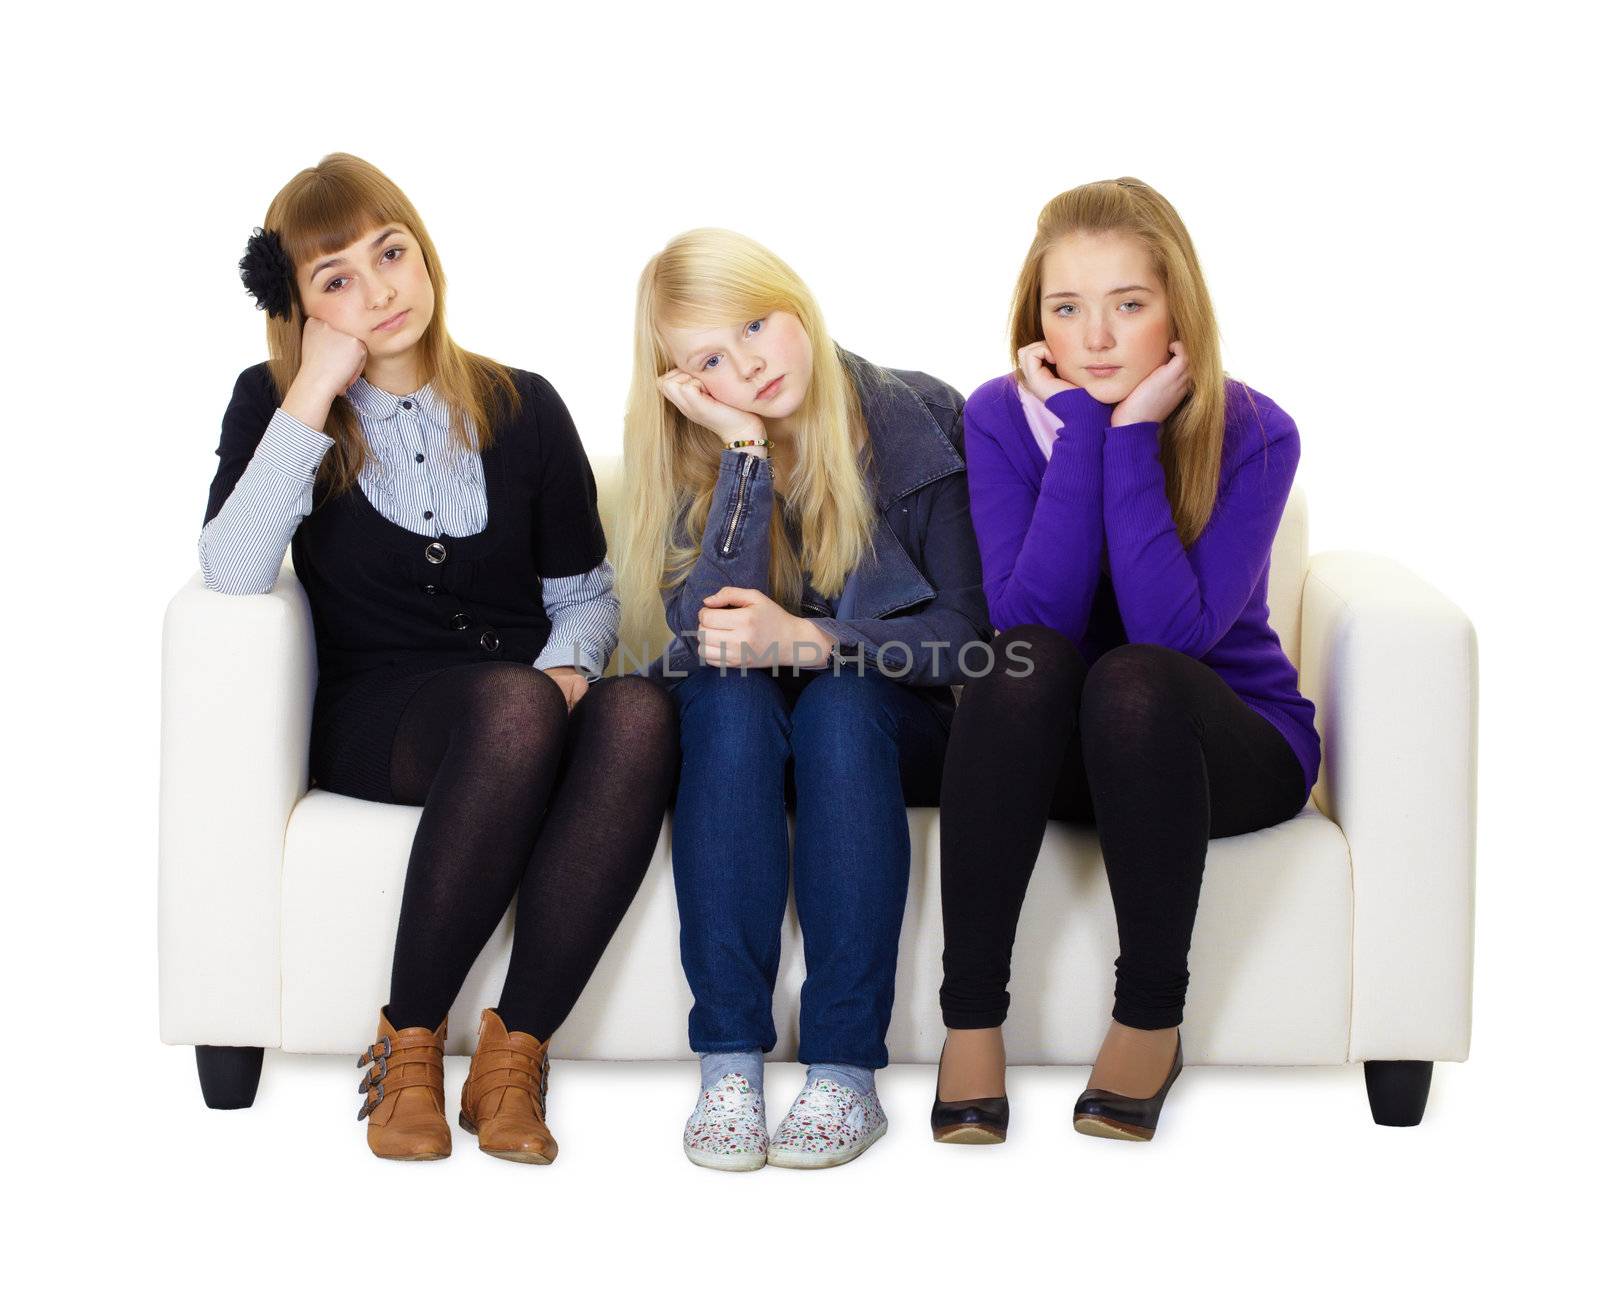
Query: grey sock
859,1080
715,1066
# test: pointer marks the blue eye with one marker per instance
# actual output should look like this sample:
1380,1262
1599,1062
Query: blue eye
710,361
755,325
1061,310
1136,304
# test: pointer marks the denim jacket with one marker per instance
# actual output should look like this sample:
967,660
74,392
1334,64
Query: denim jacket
916,598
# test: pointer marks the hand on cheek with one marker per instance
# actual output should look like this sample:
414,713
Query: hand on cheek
1039,374
691,398
335,358
330,362
1154,399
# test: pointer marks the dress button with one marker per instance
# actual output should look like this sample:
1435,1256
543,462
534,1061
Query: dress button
434,552
459,622
405,404
428,514
430,589
419,459
489,641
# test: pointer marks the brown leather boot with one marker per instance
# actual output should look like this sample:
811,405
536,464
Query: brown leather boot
502,1103
404,1087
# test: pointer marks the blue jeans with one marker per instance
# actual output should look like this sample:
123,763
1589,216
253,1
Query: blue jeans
861,747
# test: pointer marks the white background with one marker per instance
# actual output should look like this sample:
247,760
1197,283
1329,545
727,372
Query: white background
1394,206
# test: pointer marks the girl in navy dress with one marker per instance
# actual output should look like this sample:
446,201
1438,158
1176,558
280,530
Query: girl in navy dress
442,518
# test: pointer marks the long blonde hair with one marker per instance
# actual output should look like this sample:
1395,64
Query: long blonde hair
1191,436
324,209
710,275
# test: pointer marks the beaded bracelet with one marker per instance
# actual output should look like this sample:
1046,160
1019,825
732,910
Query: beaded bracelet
761,441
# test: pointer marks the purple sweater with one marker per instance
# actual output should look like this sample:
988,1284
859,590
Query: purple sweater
1085,542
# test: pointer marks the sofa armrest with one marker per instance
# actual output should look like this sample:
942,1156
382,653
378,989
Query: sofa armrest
238,673
1392,667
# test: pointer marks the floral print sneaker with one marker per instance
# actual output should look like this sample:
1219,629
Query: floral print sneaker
827,1125
728,1128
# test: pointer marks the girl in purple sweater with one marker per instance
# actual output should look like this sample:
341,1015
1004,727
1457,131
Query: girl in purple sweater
1125,495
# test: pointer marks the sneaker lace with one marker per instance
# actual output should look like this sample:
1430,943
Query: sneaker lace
735,1100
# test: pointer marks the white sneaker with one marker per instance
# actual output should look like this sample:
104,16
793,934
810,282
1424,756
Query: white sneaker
728,1128
827,1125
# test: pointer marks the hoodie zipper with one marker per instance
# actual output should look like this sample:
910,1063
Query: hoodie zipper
746,468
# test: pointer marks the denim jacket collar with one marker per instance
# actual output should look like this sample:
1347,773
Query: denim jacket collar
909,448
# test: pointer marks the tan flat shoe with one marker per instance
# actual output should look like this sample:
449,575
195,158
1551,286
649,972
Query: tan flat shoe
502,1103
404,1089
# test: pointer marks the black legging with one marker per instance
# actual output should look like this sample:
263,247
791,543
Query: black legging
1149,744
520,797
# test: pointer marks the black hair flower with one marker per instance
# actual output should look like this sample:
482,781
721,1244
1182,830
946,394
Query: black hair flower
268,273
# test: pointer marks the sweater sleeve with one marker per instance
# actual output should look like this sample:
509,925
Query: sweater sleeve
736,549
1041,550
267,465
1188,600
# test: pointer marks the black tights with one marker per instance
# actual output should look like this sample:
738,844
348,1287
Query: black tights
519,797
1150,745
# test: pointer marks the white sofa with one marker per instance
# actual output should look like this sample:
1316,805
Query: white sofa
1342,935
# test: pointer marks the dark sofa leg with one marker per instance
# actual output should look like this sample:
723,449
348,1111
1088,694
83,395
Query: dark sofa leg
229,1074
1397,1090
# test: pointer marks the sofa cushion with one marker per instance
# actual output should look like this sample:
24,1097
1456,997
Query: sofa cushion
1270,963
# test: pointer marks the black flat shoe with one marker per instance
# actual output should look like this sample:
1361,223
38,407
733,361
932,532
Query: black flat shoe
1121,1117
969,1122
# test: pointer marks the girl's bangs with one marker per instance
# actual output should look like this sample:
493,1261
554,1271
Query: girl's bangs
325,219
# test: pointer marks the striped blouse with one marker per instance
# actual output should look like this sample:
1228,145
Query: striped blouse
417,477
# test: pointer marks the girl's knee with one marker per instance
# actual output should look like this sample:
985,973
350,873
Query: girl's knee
737,721
515,700
1133,691
725,692
632,705
1031,651
844,728
843,702
511,714
1035,670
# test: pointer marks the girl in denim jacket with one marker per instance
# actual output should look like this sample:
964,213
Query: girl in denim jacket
802,515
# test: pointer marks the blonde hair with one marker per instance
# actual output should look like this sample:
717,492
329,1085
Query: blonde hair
324,209
1191,436
705,276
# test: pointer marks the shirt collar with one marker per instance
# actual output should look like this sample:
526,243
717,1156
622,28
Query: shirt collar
909,448
373,403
